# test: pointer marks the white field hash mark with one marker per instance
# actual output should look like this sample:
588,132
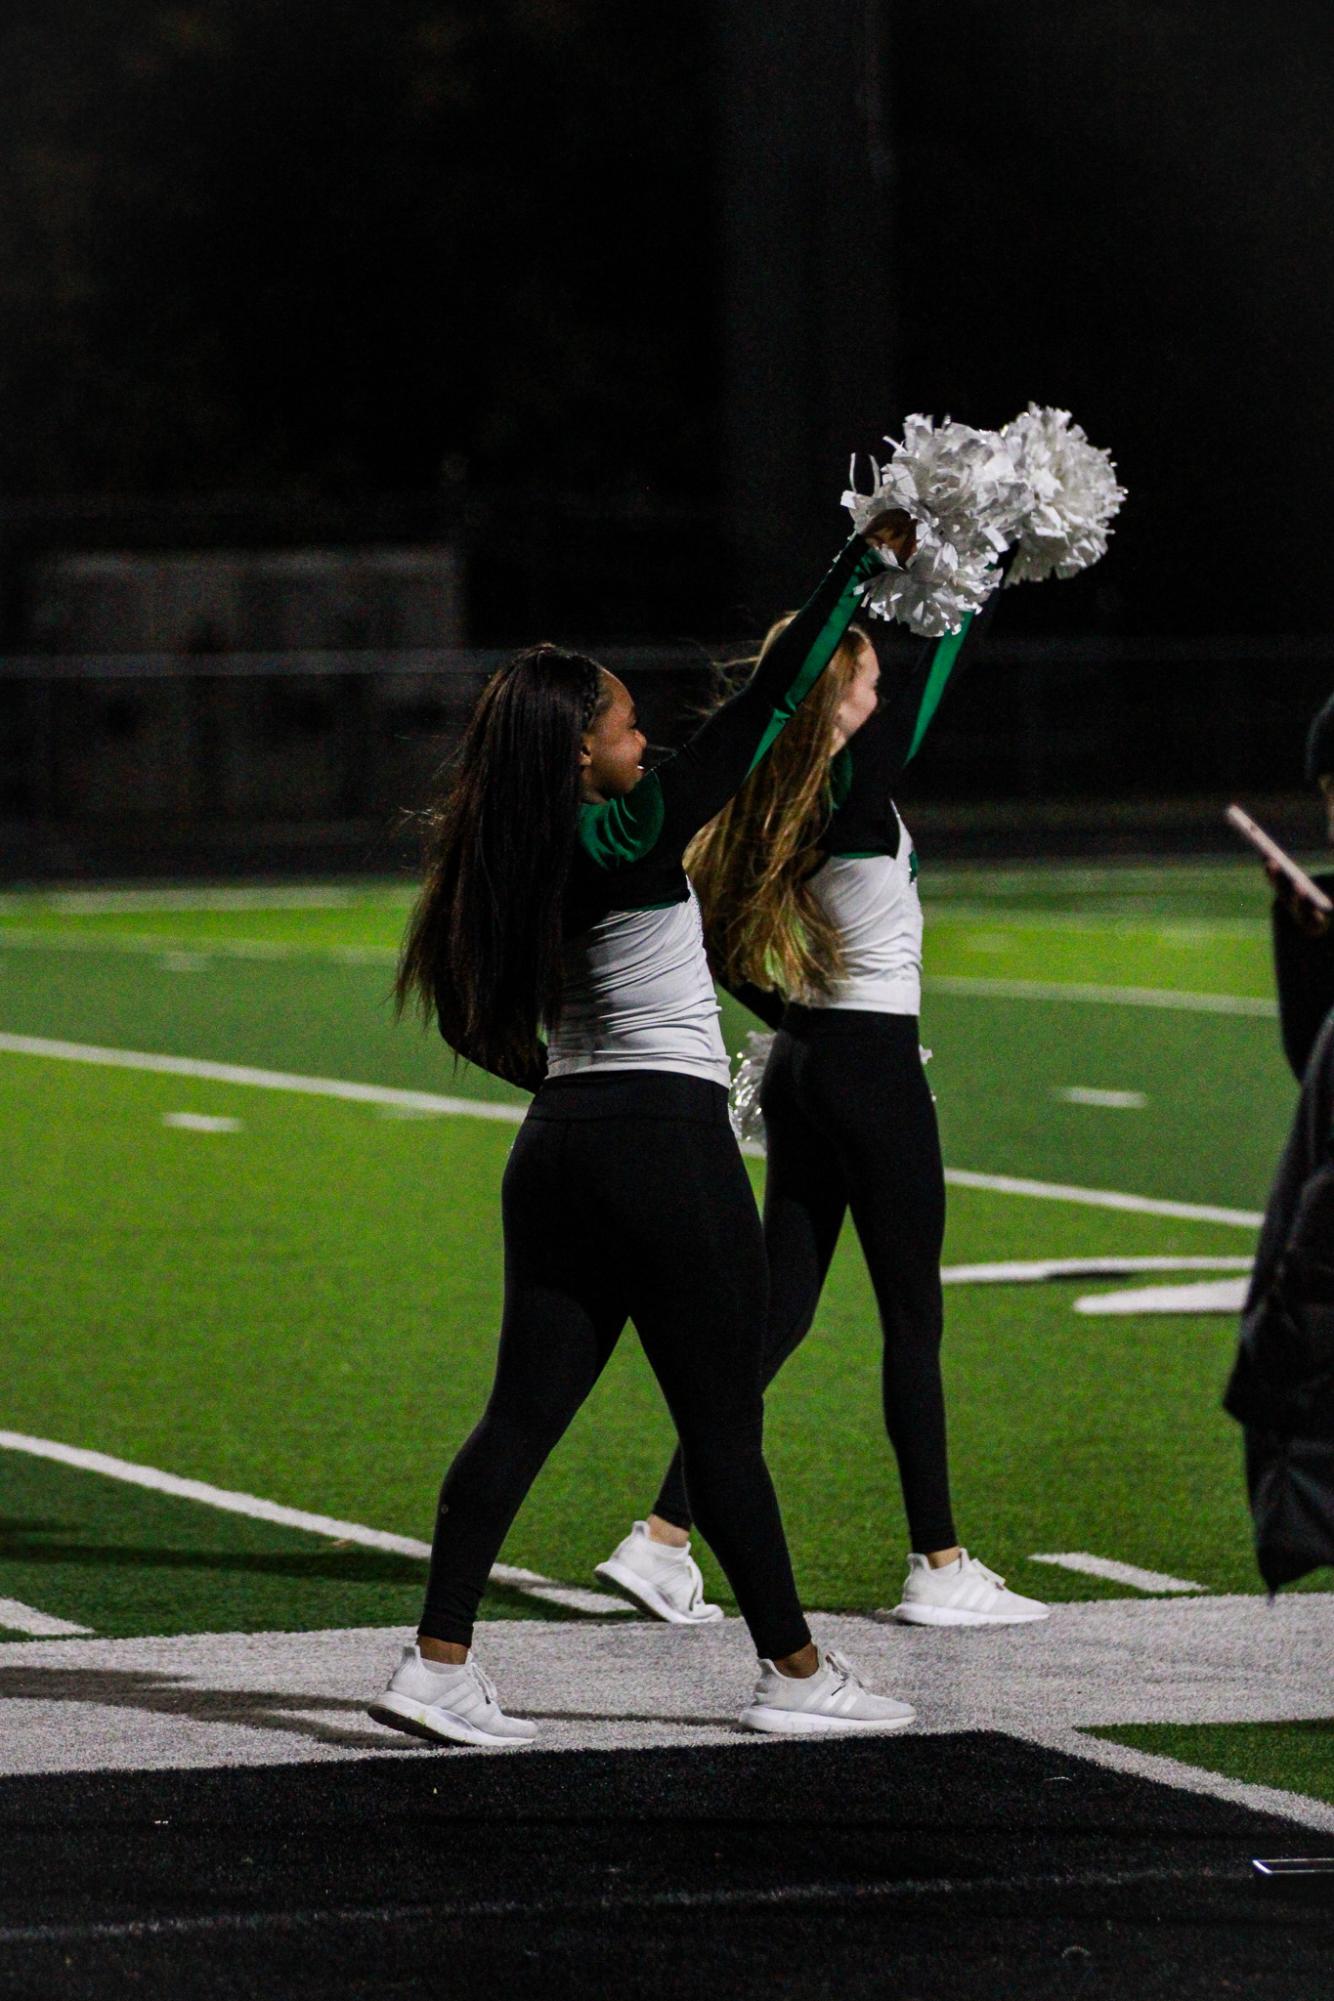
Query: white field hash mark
1119,1573
1111,1101
482,1108
201,1122
530,1582
1040,1271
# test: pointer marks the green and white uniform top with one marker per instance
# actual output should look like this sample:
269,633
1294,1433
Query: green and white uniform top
637,991
867,884
872,901
867,881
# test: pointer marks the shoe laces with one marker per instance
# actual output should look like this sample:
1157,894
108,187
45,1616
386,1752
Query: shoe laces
990,1575
485,1683
842,1668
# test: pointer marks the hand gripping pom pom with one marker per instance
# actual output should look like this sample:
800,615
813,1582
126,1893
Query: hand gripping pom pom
744,1099
1074,496
962,489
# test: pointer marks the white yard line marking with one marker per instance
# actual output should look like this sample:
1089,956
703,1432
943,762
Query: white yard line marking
264,1080
93,902
1119,1573
200,1122
1096,1198
1060,990
482,1108
1225,1295
152,944
1116,917
147,943
17,1617
531,1582
1031,1271
1090,1094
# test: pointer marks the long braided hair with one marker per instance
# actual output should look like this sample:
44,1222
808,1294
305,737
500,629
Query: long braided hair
482,949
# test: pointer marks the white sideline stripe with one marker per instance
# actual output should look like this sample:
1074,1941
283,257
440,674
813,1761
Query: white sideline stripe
17,1617
1030,1271
1119,1573
531,1582
1057,990
481,1108
1100,1198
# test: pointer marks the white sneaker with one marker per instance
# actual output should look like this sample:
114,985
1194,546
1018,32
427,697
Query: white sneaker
831,1699
660,1579
452,1705
962,1593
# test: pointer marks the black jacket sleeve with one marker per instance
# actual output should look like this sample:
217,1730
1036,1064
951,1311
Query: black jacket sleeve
1304,975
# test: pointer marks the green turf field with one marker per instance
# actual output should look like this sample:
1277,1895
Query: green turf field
303,1305
1297,1757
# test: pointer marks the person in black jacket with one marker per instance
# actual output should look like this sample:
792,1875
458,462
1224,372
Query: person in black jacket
1282,1387
1303,938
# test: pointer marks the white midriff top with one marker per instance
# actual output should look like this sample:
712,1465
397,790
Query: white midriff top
638,995
873,901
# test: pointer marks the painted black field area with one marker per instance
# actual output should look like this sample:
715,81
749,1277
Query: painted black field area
971,1864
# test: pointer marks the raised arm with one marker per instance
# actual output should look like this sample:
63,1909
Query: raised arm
705,773
867,770
682,794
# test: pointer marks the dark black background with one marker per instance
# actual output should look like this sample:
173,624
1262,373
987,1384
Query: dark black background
615,290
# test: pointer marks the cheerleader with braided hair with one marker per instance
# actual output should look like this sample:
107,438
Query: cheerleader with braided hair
556,896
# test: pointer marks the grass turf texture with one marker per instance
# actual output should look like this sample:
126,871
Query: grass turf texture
1298,1757
306,1308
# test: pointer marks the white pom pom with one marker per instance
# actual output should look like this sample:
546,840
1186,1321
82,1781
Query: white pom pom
940,586
744,1097
1074,495
962,489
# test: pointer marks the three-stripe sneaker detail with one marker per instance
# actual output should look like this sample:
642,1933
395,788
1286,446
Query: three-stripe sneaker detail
833,1699
962,1593
448,1705
659,1578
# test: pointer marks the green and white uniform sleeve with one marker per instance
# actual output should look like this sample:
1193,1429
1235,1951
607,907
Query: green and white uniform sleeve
670,805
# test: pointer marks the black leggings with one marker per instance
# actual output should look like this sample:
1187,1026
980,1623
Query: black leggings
850,1124
625,1197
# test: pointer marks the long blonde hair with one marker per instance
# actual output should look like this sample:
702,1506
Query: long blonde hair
751,865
